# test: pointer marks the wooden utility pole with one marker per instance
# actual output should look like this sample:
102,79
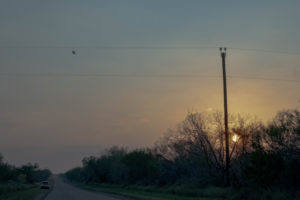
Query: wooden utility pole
227,170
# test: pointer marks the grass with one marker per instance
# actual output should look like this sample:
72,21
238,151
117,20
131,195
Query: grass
156,193
13,191
187,193
30,193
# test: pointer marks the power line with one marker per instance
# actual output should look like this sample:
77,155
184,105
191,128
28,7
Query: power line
266,51
263,78
120,75
109,47
132,47
107,75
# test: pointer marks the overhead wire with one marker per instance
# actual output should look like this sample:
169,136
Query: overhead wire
265,50
141,75
125,47
108,75
119,75
263,78
136,47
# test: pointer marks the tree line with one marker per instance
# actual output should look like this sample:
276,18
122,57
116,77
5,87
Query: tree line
193,153
25,174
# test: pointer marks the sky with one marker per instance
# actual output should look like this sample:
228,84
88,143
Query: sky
123,86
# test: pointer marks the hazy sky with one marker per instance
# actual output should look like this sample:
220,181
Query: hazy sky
51,114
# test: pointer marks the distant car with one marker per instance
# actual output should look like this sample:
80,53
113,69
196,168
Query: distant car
45,185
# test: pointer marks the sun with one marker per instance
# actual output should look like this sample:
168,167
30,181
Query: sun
235,138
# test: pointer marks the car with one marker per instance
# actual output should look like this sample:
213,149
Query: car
45,185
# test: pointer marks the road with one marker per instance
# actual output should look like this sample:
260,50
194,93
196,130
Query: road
64,191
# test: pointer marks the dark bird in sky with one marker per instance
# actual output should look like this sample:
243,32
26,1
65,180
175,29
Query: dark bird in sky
73,52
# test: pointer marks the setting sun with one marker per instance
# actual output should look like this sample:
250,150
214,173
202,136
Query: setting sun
235,138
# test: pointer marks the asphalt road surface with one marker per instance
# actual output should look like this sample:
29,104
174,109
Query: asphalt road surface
64,191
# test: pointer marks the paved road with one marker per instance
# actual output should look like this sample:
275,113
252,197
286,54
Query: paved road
64,191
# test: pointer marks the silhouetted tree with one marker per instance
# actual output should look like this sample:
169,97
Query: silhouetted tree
200,139
142,166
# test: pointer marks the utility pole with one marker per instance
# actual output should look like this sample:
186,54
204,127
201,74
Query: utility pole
227,169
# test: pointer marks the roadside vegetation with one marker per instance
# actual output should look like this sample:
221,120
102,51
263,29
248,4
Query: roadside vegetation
189,162
21,183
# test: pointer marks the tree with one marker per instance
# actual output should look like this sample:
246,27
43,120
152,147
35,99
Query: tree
142,166
283,133
201,137
28,170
